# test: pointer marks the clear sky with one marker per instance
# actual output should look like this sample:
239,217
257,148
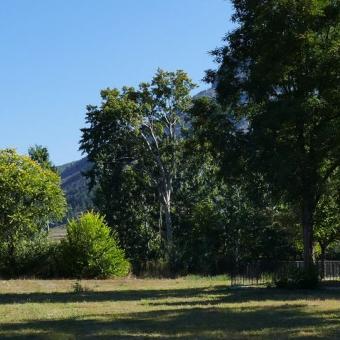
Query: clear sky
56,55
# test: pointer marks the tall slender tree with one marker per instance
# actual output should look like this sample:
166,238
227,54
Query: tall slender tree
141,129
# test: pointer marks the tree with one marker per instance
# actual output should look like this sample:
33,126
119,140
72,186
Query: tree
30,197
41,155
220,222
279,73
140,130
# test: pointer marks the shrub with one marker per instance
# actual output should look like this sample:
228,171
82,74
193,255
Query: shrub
298,278
33,257
90,250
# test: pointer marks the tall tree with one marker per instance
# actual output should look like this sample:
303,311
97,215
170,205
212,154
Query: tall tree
279,72
224,219
141,129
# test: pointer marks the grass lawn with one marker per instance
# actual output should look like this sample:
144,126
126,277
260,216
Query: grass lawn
190,308
57,233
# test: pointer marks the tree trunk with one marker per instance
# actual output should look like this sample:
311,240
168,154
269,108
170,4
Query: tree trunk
160,220
11,263
307,225
168,220
168,224
322,257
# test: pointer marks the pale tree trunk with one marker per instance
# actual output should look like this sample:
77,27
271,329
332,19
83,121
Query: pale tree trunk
168,223
160,220
167,173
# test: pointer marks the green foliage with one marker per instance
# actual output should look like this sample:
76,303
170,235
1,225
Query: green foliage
289,101
91,251
30,197
134,142
32,257
41,155
137,163
298,278
222,221
327,216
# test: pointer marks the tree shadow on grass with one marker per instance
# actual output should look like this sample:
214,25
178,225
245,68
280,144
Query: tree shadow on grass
101,296
197,313
216,295
243,295
285,321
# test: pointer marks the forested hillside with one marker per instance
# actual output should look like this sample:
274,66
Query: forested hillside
75,186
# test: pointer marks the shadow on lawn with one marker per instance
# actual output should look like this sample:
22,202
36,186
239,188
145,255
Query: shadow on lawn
280,322
219,294
200,317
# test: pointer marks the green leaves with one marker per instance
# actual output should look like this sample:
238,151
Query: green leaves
280,72
40,155
30,195
90,249
134,142
30,198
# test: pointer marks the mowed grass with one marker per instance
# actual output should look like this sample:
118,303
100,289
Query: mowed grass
57,233
189,308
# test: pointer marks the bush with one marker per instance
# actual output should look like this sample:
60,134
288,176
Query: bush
33,257
298,278
90,250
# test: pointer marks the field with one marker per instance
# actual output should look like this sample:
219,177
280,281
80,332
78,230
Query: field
190,308
57,233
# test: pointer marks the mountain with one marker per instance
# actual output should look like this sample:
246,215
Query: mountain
75,186
211,93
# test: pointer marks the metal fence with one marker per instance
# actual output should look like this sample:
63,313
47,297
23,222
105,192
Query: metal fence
265,272
329,270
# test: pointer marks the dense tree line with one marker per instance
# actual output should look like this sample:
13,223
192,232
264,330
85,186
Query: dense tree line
207,182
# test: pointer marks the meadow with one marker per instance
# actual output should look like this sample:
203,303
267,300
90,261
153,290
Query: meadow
190,308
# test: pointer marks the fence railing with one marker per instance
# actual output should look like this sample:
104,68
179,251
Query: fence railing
329,270
265,272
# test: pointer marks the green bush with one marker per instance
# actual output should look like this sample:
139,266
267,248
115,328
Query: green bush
31,257
91,251
298,278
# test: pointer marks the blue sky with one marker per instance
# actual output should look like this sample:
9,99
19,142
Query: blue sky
55,56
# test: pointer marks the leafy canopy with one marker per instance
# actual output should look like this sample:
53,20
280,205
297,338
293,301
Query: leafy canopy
134,142
279,72
30,196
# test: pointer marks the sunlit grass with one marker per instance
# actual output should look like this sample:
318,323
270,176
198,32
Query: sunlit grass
190,307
